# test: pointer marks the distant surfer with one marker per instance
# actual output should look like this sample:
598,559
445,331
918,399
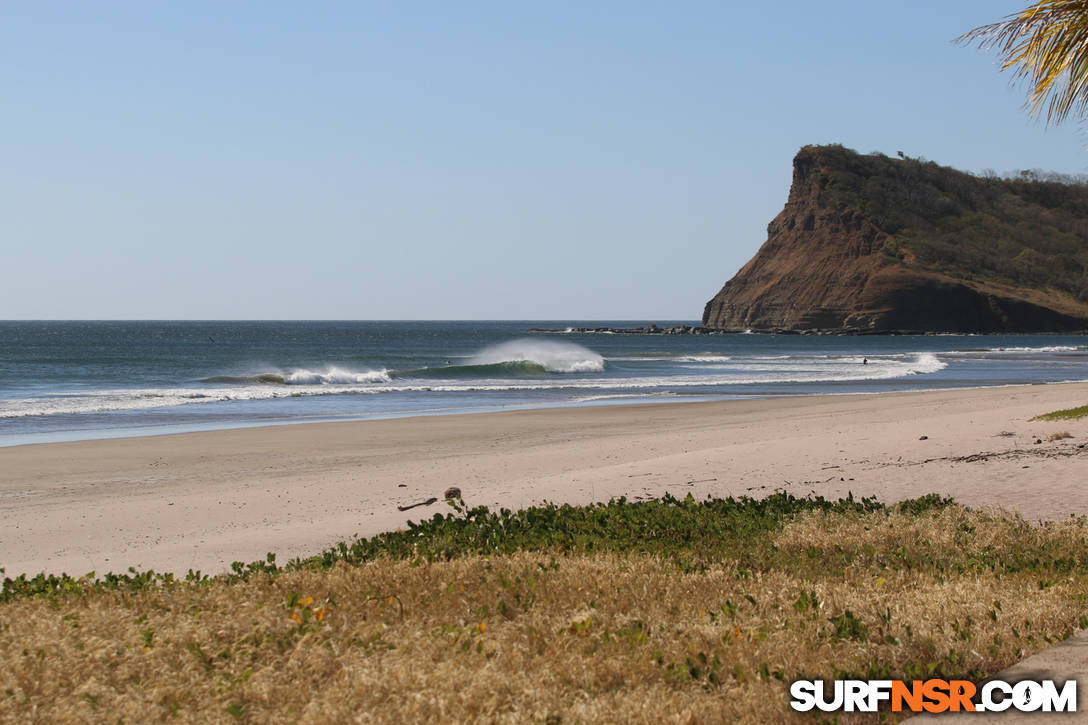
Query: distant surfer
865,361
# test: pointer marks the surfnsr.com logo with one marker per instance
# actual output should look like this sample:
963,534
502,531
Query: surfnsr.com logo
933,696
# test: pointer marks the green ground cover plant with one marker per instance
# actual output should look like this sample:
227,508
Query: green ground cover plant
1067,414
620,612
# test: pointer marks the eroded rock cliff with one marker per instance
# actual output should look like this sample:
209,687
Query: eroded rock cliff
868,243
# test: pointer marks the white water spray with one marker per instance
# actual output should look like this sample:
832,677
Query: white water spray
556,357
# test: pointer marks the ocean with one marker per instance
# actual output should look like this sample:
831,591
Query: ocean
63,381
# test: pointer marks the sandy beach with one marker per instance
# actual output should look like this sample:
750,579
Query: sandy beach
204,500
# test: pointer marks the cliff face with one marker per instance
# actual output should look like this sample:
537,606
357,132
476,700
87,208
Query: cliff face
874,244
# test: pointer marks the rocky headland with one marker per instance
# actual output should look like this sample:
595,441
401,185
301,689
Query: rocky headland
870,244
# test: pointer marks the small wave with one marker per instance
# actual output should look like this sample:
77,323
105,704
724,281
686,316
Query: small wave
975,351
302,376
266,378
642,357
336,376
513,368
827,367
1045,348
705,357
592,398
926,363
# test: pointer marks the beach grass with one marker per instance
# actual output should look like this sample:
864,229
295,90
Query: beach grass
1066,414
673,609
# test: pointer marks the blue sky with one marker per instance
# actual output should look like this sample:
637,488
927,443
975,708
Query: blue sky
475,160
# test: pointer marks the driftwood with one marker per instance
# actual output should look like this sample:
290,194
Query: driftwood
428,502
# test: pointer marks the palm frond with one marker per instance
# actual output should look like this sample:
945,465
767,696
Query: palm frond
1046,44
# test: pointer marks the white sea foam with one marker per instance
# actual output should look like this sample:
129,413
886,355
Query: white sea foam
335,376
1044,348
829,368
612,396
1026,350
926,362
556,357
112,400
705,358
698,357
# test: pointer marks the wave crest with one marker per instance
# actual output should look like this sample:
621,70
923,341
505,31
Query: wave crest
514,368
266,378
302,376
336,376
554,357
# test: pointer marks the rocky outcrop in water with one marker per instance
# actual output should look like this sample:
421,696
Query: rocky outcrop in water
871,244
651,329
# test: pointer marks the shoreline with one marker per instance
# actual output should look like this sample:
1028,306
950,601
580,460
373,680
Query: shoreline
184,428
205,499
171,429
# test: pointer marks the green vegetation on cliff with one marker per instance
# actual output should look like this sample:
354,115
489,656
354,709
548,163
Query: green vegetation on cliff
1020,232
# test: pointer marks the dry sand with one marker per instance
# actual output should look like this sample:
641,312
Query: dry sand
203,500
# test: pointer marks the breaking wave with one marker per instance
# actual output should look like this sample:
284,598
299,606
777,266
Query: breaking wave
513,368
1044,348
266,378
924,363
553,357
336,376
302,376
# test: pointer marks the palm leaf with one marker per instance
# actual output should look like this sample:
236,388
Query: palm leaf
1046,45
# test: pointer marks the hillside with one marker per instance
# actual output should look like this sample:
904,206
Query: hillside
868,243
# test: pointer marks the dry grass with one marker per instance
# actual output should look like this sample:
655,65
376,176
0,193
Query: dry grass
528,637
